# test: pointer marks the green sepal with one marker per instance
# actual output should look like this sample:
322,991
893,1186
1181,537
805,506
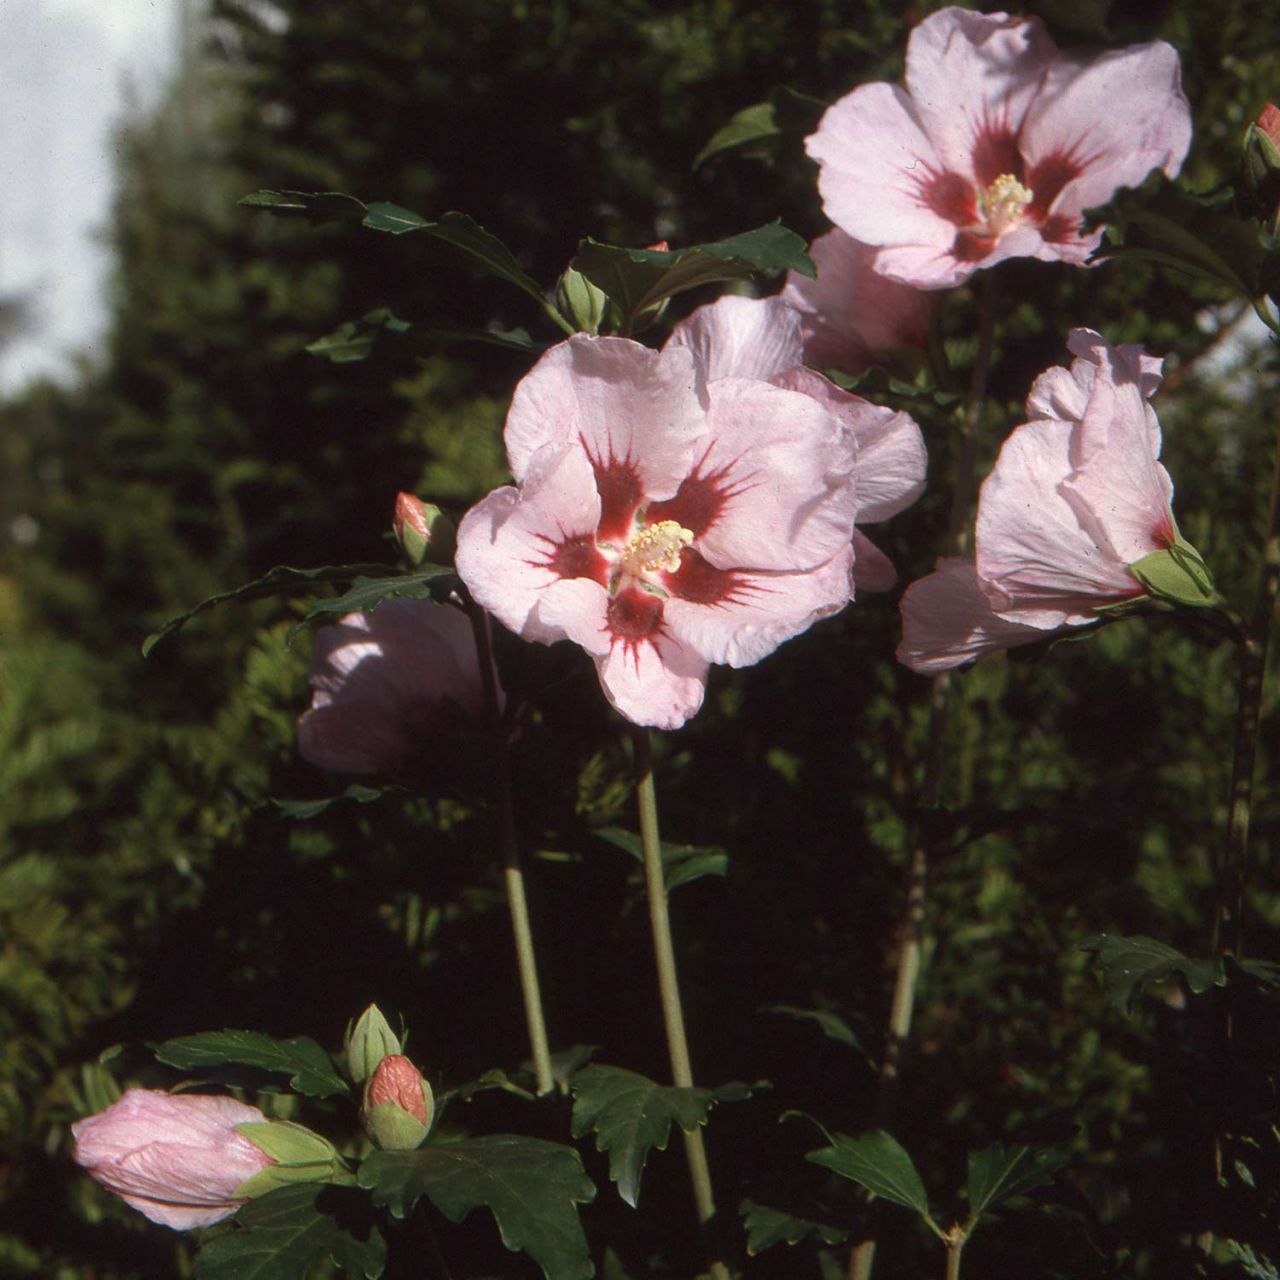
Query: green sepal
1179,575
299,1155
370,1041
392,1128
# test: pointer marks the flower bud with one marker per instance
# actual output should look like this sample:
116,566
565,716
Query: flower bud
398,1105
1262,167
179,1159
369,1041
580,302
421,527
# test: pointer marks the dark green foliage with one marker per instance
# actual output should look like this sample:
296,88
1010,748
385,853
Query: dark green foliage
531,1187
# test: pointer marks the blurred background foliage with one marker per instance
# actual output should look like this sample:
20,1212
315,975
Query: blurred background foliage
150,885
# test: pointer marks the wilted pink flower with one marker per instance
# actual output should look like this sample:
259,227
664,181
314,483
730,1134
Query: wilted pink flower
764,338
851,316
1075,504
996,146
663,520
176,1158
398,1105
385,682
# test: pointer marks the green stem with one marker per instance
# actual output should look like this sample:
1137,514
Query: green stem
953,1259
512,872
1229,918
668,983
911,942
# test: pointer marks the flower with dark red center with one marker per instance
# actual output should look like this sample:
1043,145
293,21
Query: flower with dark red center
996,146
662,520
1074,519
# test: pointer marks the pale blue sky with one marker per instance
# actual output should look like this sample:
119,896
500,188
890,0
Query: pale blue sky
67,69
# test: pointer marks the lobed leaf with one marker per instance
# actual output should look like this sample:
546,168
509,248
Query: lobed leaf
879,1163
357,339
531,1187
366,593
630,1115
767,1227
280,1235
308,1066
999,1173
1131,965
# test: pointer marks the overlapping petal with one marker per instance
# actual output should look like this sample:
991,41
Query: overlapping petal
948,621
383,680
851,314
741,338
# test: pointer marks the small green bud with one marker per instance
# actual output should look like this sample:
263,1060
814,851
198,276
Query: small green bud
398,1105
368,1042
421,527
1177,574
580,302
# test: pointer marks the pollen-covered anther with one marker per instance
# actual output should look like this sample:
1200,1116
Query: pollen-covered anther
1003,204
656,546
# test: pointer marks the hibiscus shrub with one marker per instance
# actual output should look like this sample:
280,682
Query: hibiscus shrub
994,946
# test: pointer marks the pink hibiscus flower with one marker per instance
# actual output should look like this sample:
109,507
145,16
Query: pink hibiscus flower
996,146
385,682
1074,519
851,316
662,520
766,338
176,1158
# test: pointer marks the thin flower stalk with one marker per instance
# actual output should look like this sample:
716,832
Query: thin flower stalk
913,928
669,986
512,871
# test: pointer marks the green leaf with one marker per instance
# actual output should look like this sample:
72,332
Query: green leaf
767,1227
754,124
367,594
280,1235
1130,965
308,1066
1000,1173
636,280
315,206
759,131
357,339
630,1115
463,233
457,229
280,581
833,1026
530,1186
1200,235
879,1163
682,863
301,810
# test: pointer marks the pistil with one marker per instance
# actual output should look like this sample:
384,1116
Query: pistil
1004,204
656,547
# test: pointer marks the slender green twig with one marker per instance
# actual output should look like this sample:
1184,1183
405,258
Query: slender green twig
1228,928
911,941
669,986
513,873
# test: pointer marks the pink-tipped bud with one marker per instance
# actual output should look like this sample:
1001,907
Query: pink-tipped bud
1262,167
423,530
398,1105
1269,122
661,247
